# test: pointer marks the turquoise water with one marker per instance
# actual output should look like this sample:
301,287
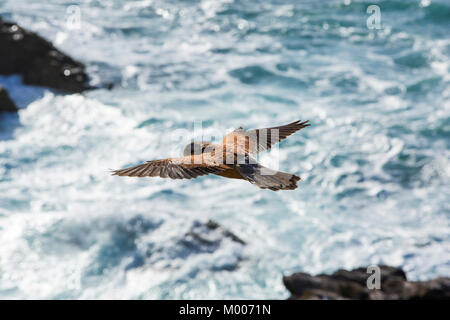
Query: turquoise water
375,161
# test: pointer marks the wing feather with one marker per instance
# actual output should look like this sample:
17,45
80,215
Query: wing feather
176,168
258,140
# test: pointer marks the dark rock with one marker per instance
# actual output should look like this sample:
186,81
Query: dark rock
6,104
317,294
199,239
435,289
299,282
344,284
215,226
360,275
302,284
208,234
38,61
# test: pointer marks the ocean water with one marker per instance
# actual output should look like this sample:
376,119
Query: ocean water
375,162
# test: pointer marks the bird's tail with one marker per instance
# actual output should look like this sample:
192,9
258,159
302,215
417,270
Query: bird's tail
266,178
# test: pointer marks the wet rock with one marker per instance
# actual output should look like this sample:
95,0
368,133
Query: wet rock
344,284
212,225
208,243
208,235
438,288
360,275
38,61
210,238
6,104
304,286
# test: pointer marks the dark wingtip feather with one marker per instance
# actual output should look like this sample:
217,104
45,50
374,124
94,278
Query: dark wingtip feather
293,182
303,124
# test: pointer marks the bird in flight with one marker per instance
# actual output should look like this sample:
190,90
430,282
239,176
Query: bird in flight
234,159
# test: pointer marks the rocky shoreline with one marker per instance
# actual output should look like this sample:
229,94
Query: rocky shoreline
6,103
38,62
340,285
343,285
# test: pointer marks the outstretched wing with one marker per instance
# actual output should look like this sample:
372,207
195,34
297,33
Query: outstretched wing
175,168
258,140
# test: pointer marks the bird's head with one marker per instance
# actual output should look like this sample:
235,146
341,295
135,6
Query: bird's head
194,148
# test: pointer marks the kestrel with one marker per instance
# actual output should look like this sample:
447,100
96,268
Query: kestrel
231,159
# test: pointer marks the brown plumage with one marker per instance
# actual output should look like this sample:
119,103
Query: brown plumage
232,159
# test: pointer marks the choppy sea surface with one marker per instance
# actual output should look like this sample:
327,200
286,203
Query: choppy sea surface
375,162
